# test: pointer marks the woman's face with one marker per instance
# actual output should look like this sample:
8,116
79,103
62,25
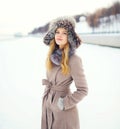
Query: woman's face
61,37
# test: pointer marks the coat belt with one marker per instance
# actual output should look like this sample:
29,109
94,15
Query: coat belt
50,86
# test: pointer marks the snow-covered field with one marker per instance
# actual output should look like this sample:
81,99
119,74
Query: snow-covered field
22,67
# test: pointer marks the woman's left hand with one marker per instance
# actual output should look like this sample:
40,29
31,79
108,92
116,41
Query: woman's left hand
60,103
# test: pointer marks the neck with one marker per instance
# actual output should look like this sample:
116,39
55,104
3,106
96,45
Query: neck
61,47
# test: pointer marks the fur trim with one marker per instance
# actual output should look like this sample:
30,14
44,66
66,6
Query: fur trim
67,19
56,56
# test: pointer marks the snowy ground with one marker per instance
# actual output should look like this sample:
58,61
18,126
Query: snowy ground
22,68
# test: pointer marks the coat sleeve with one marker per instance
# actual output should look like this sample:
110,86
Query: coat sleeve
77,73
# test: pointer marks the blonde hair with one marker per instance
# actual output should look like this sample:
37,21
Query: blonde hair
65,57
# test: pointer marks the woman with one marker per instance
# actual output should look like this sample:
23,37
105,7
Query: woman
59,110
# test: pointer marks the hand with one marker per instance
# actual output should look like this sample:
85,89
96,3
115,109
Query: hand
60,103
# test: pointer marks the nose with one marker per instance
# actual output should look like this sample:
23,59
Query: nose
60,34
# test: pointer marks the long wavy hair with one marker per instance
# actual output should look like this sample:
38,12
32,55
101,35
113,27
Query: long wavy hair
65,57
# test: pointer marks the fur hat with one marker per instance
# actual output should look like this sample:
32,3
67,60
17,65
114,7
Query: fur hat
63,22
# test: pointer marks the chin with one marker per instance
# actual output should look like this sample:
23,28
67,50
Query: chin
58,43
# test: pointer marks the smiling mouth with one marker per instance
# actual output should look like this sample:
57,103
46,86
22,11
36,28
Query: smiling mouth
59,39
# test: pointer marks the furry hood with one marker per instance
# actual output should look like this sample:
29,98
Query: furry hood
63,22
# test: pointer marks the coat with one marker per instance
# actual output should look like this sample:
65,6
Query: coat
58,85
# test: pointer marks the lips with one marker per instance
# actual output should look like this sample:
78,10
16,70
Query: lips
59,39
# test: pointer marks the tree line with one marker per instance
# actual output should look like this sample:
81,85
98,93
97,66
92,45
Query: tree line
104,15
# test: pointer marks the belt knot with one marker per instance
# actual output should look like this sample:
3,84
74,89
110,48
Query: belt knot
46,82
48,85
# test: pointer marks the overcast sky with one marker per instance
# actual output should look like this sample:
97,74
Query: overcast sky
25,15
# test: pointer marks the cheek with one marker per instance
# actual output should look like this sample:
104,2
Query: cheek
65,40
55,37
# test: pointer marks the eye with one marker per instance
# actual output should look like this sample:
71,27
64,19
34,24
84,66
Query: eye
57,32
65,33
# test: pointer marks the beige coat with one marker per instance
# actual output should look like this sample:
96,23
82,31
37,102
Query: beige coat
58,85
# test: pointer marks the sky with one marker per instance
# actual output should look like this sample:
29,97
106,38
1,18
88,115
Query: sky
25,15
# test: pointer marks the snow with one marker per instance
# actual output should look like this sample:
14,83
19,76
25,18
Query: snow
22,67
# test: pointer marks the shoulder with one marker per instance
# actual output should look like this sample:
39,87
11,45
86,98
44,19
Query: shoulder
75,64
74,60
